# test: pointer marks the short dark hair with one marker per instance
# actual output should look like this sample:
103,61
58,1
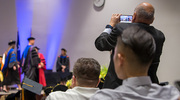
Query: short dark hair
143,14
31,38
87,71
140,42
63,49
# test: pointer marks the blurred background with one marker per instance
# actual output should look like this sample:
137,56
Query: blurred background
75,24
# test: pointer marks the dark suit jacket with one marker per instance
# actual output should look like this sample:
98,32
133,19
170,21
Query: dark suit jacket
107,42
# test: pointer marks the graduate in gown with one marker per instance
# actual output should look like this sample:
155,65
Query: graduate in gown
10,69
42,67
29,64
63,66
30,61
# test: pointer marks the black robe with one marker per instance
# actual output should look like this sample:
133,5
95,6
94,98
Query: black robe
63,60
30,64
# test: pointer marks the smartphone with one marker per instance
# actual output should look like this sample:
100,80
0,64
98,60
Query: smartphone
126,18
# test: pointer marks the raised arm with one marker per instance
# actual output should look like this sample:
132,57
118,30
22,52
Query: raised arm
107,40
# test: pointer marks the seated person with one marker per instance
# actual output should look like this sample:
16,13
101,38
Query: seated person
84,82
133,55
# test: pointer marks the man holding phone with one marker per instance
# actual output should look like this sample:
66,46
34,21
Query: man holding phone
143,16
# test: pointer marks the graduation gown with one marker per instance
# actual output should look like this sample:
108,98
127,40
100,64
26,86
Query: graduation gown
29,63
42,79
11,76
63,60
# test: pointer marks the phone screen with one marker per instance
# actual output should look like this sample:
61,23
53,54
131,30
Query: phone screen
125,18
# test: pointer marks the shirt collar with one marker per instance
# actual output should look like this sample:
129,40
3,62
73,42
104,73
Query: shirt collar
142,23
136,81
79,87
82,89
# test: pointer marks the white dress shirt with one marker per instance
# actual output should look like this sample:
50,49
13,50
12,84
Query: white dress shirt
77,93
138,88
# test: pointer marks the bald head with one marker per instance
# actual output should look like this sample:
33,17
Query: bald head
144,13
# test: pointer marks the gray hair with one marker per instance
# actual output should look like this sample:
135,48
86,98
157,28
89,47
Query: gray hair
144,14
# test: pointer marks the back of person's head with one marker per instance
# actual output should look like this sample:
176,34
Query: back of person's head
86,72
144,13
134,51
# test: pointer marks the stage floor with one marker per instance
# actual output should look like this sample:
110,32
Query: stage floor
3,95
10,91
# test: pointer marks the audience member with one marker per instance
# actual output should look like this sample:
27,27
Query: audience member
143,16
133,56
84,82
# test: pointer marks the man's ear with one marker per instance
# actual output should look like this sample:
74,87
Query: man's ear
121,59
134,17
152,20
73,81
98,82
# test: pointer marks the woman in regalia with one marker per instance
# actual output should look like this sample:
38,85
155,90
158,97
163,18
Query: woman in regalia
10,69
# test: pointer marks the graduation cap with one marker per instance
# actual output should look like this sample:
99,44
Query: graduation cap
32,86
37,48
11,42
31,38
